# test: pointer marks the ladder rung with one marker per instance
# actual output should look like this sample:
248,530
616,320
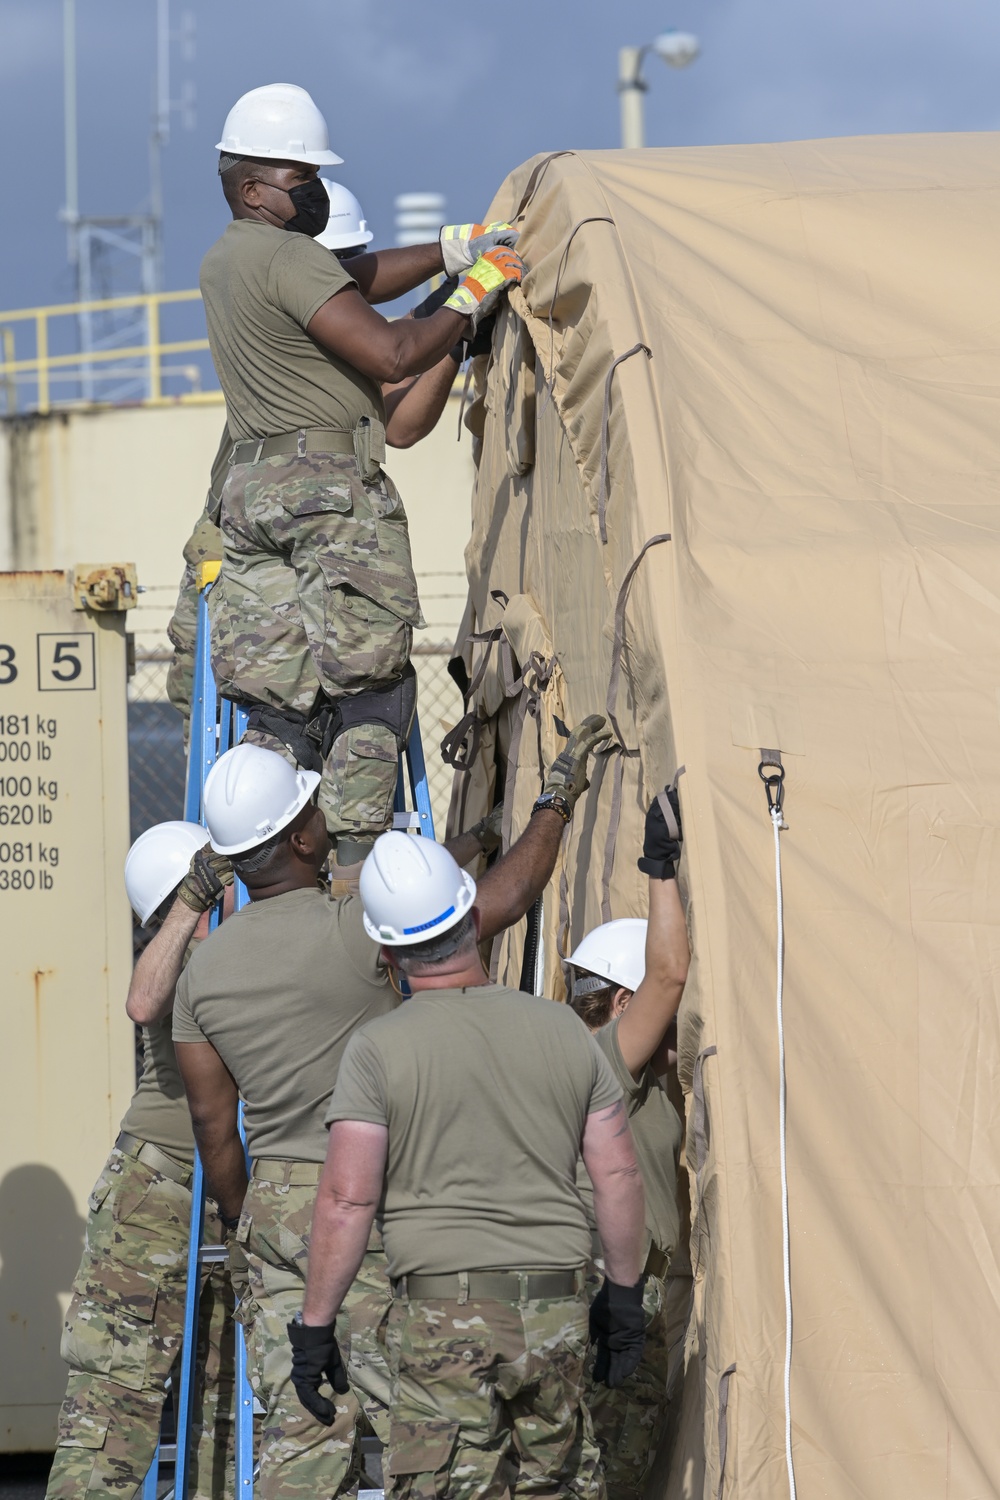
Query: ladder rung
211,1255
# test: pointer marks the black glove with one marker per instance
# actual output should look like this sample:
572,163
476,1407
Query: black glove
315,1353
618,1328
481,343
437,298
661,848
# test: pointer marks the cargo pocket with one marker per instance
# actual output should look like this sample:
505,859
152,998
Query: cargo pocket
109,1322
359,780
74,1433
420,1447
98,1197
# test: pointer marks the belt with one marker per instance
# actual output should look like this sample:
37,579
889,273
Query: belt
657,1262
288,1173
306,440
497,1286
152,1156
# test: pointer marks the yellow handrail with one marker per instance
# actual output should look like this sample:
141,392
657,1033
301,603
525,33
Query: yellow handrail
40,368
63,309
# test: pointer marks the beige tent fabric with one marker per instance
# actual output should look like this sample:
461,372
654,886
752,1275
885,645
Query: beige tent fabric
809,407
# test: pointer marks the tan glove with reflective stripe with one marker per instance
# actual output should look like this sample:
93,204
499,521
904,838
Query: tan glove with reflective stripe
463,244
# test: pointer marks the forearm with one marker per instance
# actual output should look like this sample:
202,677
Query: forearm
383,275
619,1208
413,411
155,976
518,878
464,848
668,954
337,1247
224,1163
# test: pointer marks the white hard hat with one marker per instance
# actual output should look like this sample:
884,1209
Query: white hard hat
412,889
346,226
616,952
157,863
278,120
250,795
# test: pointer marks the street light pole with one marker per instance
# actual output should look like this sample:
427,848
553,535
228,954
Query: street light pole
631,87
677,49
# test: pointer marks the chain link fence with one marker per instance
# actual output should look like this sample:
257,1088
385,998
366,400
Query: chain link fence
157,765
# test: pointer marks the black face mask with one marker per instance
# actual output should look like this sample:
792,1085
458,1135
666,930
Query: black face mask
311,202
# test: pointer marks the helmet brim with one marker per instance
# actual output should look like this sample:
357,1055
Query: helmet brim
311,158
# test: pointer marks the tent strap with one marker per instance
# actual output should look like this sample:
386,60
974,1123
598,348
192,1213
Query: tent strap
724,1380
618,643
602,492
550,383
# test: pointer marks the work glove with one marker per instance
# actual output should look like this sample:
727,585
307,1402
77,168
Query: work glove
463,244
478,293
207,877
618,1331
487,832
315,1353
436,300
567,776
483,341
661,847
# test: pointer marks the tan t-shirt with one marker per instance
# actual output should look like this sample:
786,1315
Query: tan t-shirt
262,286
485,1093
656,1131
159,1111
278,991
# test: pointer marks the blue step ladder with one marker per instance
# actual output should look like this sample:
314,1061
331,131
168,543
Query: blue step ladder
216,726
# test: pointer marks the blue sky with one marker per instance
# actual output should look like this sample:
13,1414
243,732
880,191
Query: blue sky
441,99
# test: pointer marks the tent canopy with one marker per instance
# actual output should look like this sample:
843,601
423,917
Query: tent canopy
738,451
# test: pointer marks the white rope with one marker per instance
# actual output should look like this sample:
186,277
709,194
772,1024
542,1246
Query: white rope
776,821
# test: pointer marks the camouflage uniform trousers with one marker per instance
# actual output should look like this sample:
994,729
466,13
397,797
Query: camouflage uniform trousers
631,1421
489,1400
299,1457
203,545
317,591
122,1338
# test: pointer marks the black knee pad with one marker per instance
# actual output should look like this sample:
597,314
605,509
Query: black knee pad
392,704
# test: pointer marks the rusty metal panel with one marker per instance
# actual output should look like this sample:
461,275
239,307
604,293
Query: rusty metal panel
67,1060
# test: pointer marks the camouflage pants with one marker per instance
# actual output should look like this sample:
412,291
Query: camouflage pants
123,1335
631,1421
203,545
489,1399
317,591
299,1457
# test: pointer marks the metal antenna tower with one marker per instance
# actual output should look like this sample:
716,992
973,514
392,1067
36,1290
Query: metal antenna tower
121,254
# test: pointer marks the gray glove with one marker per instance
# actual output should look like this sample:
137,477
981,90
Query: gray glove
463,244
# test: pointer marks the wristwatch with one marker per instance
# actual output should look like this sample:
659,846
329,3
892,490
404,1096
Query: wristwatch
554,802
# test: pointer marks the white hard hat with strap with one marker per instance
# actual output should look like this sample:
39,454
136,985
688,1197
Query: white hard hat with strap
157,863
250,795
615,953
412,890
346,226
279,120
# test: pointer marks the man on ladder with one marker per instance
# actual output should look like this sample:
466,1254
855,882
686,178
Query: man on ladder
123,1329
265,1013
